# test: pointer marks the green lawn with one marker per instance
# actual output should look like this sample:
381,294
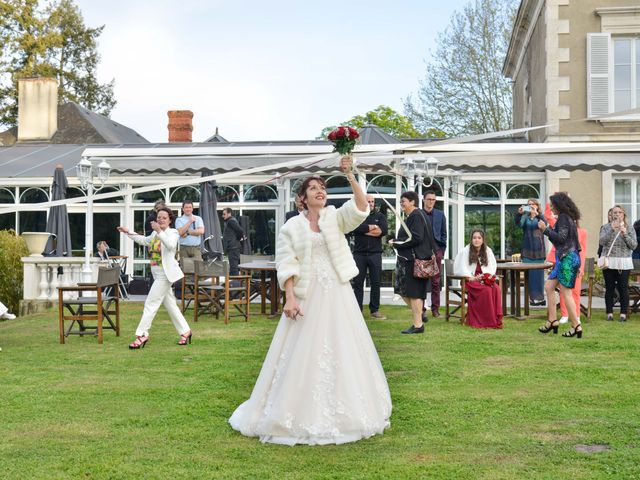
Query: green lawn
466,403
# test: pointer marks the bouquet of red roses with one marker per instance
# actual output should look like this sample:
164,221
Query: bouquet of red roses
488,279
344,139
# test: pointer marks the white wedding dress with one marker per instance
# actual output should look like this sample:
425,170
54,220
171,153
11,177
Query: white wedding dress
321,381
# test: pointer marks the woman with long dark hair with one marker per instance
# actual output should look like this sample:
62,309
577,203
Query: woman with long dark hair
421,245
564,236
618,240
483,297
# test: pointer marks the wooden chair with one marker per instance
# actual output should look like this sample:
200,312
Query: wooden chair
634,298
455,296
187,291
260,283
586,287
216,290
99,307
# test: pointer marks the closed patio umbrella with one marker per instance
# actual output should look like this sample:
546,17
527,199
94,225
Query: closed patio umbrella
58,220
212,245
246,244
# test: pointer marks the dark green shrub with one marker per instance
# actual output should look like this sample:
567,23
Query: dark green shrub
12,248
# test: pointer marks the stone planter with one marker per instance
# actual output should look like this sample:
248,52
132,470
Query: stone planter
36,242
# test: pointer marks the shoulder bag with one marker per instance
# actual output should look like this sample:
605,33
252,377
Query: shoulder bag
426,268
603,260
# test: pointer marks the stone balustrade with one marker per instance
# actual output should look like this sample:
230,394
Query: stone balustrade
43,276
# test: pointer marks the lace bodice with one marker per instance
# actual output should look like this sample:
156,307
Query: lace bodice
321,262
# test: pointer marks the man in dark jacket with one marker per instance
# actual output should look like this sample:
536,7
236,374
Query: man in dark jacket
297,211
439,227
367,254
232,237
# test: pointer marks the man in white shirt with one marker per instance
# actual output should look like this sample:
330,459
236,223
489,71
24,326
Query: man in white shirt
191,228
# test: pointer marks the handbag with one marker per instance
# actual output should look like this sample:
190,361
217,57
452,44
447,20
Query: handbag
425,268
603,260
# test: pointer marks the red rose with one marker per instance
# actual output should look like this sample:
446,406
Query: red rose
353,133
332,135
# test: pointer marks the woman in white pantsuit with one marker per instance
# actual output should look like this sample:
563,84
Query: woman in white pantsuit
162,245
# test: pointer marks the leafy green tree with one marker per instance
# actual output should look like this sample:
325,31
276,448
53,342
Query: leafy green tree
464,91
49,41
389,121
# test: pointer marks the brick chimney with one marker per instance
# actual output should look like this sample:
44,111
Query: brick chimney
180,125
37,109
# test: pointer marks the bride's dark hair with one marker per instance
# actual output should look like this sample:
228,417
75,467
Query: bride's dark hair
478,255
302,191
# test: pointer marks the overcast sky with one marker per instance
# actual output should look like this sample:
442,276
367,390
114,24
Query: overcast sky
260,70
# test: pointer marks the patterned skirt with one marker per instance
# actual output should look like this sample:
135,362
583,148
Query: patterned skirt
566,269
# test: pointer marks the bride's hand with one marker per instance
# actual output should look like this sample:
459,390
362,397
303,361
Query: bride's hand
346,164
123,229
292,309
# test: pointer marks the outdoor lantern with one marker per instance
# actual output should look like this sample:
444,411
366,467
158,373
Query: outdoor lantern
103,172
407,167
431,167
83,172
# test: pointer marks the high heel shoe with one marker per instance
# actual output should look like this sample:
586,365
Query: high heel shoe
548,326
185,338
574,331
139,342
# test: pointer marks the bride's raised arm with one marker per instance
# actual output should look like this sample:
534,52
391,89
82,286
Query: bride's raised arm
346,165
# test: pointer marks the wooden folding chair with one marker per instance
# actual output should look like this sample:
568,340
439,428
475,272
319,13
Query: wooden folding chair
98,307
260,283
455,296
216,290
188,283
586,287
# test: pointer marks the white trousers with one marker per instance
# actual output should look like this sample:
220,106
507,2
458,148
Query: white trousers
3,309
161,292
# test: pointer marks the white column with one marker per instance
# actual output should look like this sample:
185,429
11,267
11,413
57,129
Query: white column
53,287
43,286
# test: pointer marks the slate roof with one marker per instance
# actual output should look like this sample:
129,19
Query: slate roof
77,125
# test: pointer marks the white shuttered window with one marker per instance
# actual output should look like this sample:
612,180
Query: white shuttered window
613,74
598,74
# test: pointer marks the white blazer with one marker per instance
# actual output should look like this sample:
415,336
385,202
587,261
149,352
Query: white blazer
169,239
462,267
293,250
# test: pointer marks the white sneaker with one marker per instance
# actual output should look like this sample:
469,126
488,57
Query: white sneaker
9,316
564,319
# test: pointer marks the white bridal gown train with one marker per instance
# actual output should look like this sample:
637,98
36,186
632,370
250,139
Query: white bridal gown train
321,381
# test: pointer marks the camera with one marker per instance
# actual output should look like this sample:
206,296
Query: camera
526,208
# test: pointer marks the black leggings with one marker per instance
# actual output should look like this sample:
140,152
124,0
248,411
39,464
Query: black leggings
616,279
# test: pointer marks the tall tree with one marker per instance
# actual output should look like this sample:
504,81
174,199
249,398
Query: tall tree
49,41
464,91
389,121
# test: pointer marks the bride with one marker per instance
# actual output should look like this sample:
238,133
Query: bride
321,381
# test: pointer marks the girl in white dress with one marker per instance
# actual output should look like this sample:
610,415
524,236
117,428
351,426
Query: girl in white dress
322,381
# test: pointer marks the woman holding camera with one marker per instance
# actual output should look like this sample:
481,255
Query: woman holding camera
533,249
618,240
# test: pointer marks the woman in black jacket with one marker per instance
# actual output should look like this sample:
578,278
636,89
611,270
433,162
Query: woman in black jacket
421,245
564,236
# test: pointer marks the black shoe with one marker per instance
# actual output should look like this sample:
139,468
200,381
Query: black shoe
425,319
414,329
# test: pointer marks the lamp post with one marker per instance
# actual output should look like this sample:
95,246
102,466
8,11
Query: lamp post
420,167
90,176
